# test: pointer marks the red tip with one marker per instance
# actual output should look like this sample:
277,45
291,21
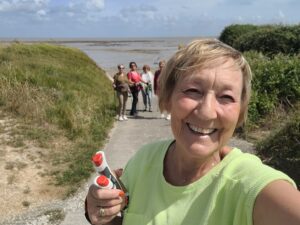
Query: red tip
102,181
97,159
121,194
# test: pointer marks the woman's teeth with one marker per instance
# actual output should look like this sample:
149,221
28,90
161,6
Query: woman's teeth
203,131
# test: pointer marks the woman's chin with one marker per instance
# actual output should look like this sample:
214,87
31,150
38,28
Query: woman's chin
203,150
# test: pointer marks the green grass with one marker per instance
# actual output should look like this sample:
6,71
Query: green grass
57,91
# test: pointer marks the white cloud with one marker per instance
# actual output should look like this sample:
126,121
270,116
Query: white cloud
86,5
23,5
141,13
4,6
70,14
95,4
85,10
41,13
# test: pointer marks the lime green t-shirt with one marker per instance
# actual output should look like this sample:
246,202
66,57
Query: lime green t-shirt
224,196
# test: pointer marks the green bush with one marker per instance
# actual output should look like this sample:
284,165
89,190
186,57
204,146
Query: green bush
268,39
276,82
282,148
231,33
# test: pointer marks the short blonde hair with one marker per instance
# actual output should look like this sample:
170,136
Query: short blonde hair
197,55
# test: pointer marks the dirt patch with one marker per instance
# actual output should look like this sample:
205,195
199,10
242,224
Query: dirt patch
26,179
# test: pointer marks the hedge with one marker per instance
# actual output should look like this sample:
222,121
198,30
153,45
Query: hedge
268,39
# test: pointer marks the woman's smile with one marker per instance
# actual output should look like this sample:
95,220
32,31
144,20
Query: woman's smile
201,131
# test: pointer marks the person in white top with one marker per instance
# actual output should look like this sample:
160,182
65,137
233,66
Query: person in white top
147,76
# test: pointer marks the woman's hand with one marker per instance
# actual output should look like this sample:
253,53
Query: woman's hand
103,205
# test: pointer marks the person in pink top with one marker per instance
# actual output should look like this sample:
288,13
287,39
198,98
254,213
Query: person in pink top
135,78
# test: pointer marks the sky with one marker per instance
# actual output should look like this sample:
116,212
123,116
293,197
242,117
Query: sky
137,18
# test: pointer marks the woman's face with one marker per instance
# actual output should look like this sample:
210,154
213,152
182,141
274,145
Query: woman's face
133,67
205,108
161,65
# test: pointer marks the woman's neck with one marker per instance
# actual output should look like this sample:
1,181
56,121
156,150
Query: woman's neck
180,170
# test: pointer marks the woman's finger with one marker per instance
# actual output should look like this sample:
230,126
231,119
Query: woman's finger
104,194
102,215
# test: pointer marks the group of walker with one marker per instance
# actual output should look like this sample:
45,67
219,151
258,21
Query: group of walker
133,82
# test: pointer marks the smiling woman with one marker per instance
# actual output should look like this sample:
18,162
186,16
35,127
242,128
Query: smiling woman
197,178
205,108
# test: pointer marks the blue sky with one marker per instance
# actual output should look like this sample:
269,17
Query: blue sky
137,18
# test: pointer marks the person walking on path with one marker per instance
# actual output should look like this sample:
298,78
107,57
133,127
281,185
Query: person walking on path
135,78
157,73
147,76
121,85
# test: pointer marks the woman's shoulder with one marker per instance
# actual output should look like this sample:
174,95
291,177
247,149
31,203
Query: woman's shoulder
238,163
249,171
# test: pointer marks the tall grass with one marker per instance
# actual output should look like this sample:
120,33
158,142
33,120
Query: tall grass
42,83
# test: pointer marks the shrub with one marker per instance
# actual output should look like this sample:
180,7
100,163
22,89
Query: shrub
276,82
269,41
231,33
282,148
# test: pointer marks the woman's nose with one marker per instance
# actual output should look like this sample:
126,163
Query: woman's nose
207,107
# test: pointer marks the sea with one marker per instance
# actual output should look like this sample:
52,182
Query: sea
108,53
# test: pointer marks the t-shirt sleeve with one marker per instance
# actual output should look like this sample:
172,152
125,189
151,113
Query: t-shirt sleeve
251,178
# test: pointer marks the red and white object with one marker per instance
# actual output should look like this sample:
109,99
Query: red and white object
99,161
106,180
103,182
101,166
